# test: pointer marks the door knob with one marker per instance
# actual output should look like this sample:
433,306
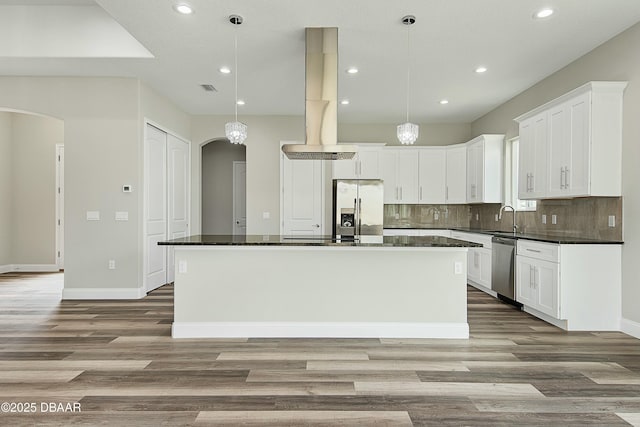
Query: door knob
316,225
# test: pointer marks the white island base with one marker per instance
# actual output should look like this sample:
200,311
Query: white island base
224,291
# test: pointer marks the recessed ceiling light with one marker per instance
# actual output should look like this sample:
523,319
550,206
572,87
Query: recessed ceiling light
344,102
183,8
225,70
444,101
481,70
543,13
240,102
352,70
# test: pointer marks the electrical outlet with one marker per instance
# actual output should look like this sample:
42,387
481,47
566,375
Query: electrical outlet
182,266
544,219
497,218
457,267
436,215
112,264
612,220
477,217
397,216
554,219
266,215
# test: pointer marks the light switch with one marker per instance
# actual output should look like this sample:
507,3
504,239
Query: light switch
122,216
612,220
544,219
554,219
457,267
93,215
266,215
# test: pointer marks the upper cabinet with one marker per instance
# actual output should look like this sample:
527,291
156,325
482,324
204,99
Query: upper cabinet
399,170
572,146
456,174
484,169
364,165
432,175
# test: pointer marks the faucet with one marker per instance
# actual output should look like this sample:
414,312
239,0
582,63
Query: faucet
515,227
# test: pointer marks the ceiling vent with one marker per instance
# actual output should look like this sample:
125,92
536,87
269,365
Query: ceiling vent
209,88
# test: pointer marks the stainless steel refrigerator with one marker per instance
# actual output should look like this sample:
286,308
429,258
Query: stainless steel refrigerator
358,207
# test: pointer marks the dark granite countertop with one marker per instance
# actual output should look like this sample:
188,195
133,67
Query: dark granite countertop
278,240
547,237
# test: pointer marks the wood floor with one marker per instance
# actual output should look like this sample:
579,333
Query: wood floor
116,361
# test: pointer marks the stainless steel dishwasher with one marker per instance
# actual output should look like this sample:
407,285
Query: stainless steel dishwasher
503,260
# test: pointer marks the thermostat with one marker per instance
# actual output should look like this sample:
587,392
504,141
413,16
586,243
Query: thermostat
127,188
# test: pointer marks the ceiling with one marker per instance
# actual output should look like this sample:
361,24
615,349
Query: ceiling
449,40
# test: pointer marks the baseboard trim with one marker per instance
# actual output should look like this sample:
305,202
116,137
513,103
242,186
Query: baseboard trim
630,327
29,268
102,293
562,324
318,330
482,288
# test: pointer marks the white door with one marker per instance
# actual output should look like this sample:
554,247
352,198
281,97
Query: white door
302,197
155,182
239,198
432,176
60,206
178,196
456,189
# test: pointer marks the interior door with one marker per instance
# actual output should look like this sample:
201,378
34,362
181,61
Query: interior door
302,197
155,182
178,196
239,198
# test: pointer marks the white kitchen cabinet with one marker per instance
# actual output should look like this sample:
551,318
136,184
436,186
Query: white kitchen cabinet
484,169
364,165
478,260
432,175
572,146
537,285
456,174
399,170
573,286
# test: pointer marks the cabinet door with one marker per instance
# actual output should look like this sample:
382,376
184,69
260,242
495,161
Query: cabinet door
475,172
407,176
525,292
456,187
539,172
525,159
345,169
432,176
388,166
577,169
559,150
473,265
368,163
545,277
485,267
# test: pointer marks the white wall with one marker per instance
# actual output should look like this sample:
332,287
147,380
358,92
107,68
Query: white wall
217,185
430,133
617,59
33,178
5,188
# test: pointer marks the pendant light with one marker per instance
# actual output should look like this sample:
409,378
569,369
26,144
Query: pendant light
236,131
408,132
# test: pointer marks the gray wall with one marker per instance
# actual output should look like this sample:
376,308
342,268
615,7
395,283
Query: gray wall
33,178
617,59
217,185
5,188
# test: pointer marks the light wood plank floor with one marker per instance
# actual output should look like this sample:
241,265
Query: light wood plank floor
117,362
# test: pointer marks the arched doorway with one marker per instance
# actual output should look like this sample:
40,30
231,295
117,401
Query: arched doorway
31,192
222,164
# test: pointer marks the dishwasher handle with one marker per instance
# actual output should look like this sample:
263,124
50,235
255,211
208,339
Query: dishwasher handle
504,240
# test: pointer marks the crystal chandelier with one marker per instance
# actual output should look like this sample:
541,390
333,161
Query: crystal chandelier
236,131
408,132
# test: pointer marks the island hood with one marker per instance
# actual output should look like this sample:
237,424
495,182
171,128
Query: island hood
321,96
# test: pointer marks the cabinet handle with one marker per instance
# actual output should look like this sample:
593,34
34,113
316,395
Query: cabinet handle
397,194
400,193
566,177
446,193
562,177
421,192
535,281
532,182
534,250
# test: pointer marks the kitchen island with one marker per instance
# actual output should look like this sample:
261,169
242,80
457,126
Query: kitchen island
278,286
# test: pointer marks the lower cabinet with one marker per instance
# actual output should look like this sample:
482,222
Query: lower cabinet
479,266
537,284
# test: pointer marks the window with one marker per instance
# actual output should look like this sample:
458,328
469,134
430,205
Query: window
511,183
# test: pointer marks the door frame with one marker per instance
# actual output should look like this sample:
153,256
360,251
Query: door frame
236,164
59,216
142,221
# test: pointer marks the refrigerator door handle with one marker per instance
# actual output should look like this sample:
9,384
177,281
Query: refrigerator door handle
359,220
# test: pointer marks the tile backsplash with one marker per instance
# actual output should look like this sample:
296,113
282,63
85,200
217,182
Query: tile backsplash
583,217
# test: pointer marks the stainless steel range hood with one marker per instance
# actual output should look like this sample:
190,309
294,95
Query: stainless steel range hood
321,106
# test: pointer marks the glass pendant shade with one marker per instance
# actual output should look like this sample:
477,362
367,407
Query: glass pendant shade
408,133
236,132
